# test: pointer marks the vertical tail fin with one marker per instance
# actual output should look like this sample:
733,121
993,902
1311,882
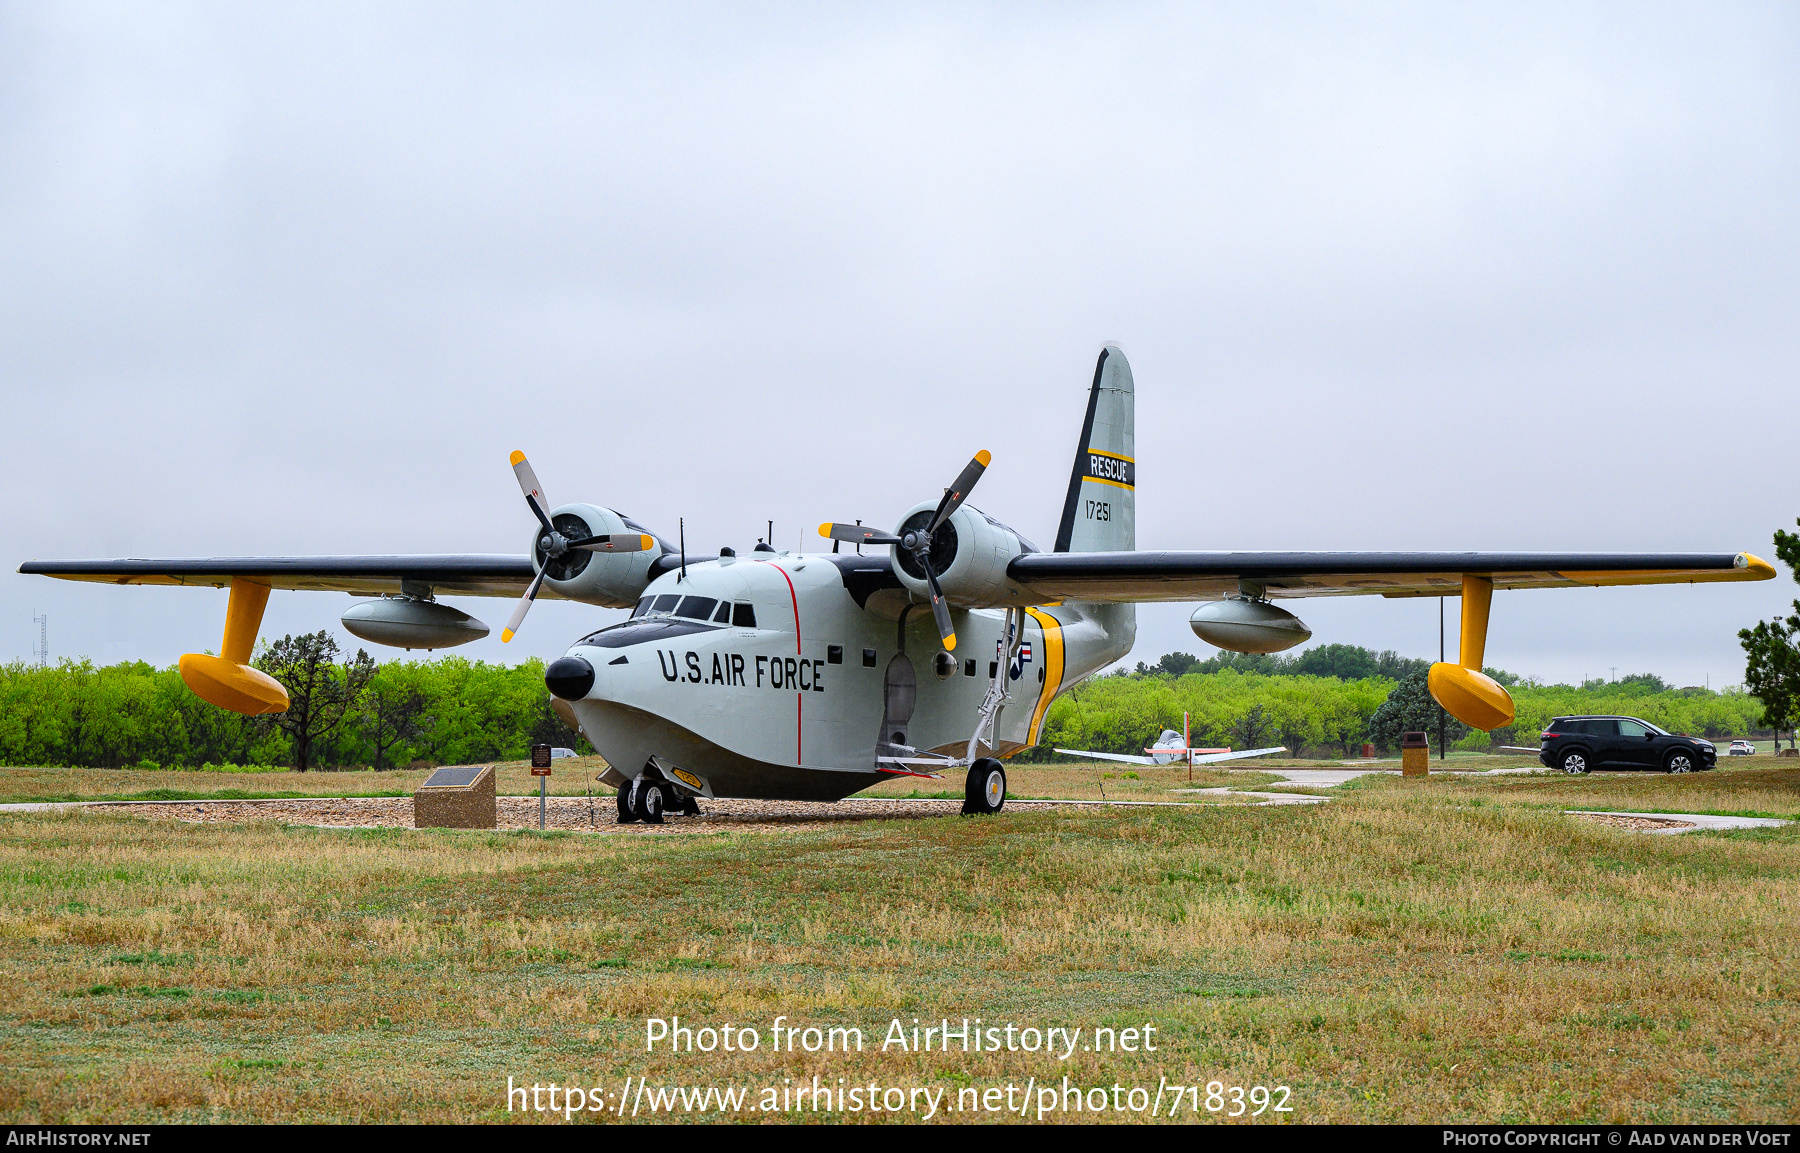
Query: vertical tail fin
1100,512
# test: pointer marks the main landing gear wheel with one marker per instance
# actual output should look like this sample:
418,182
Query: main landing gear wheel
1574,763
1679,762
626,815
985,791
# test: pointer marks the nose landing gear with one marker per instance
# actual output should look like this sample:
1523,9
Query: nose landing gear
646,800
641,800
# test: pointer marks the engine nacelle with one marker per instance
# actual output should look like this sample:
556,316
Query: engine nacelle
970,552
1248,626
612,580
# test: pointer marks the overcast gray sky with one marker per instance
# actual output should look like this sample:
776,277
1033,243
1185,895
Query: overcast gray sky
296,279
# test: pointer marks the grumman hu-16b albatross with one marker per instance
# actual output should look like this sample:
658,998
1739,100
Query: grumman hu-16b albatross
779,675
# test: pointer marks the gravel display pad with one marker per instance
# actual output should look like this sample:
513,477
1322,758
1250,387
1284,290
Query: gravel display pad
561,813
1641,824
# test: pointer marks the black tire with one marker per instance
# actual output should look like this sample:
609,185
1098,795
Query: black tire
626,814
1575,762
676,801
647,802
1680,761
984,792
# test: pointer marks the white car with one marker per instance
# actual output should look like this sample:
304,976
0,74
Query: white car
558,754
1740,749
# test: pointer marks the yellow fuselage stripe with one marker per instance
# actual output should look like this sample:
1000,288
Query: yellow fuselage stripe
1053,670
1104,480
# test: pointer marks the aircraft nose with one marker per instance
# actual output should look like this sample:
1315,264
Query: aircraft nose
569,678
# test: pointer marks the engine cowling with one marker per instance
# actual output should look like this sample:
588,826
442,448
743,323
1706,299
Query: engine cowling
611,580
970,552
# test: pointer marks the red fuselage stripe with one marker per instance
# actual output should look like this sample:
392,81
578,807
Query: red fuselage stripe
799,701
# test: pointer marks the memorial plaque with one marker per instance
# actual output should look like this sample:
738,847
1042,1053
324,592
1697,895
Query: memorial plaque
456,797
453,777
540,757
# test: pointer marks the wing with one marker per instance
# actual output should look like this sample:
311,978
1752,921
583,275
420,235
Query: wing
1126,757
1215,757
455,574
1191,576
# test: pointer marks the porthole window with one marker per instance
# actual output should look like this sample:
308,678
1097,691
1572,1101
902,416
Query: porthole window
969,667
944,665
868,658
834,654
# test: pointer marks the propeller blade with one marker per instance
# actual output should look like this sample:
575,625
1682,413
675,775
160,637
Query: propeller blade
518,616
857,534
616,542
959,492
534,492
939,609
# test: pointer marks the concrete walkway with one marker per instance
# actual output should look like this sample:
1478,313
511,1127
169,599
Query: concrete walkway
1330,778
1700,820
1268,798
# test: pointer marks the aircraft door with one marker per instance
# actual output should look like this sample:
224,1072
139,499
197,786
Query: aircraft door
900,693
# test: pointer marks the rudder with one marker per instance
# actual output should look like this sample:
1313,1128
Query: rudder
1100,511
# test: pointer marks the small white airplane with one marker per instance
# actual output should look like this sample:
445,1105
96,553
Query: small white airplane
783,675
1172,746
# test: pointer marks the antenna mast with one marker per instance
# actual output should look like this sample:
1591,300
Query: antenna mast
42,651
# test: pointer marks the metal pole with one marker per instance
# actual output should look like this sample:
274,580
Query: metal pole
1443,721
542,781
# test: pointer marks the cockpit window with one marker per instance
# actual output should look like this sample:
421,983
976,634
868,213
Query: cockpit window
643,606
743,616
696,608
723,616
667,603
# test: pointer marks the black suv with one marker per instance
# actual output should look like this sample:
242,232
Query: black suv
1577,744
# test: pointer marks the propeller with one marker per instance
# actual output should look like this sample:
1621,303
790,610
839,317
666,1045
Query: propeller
918,541
555,544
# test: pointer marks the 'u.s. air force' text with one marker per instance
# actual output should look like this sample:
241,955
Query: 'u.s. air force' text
796,674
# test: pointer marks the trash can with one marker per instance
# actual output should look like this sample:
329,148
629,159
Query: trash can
1415,755
1368,752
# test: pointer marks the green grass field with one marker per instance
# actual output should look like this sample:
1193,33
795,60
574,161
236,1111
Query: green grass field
1453,949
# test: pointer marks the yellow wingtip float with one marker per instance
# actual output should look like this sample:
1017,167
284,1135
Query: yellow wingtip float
229,685
1467,693
1471,696
227,680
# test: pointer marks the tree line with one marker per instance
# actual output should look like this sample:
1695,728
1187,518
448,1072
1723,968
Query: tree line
352,712
1325,715
342,713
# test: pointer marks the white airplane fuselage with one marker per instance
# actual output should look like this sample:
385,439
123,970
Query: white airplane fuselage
794,707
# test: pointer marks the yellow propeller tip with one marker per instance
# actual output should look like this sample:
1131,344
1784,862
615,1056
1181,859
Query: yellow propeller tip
825,530
505,635
518,458
648,544
984,456
950,643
